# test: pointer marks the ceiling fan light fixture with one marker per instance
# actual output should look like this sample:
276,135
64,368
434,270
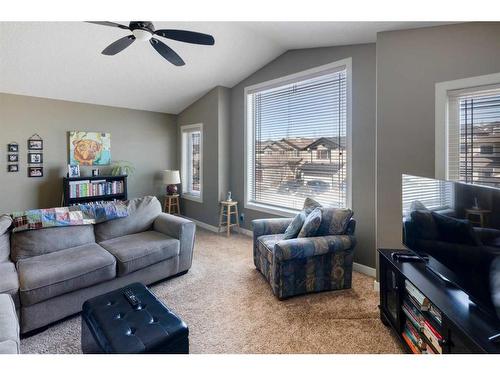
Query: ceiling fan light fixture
142,35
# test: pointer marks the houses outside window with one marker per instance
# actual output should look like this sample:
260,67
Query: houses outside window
192,161
298,140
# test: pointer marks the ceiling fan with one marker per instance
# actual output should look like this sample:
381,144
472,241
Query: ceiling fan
145,31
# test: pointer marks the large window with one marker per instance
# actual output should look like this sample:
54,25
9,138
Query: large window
298,140
192,161
474,135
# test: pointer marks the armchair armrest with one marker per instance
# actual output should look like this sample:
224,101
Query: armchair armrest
182,229
9,282
312,246
263,227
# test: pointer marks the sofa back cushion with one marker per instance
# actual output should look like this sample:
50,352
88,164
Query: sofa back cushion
5,223
142,212
32,243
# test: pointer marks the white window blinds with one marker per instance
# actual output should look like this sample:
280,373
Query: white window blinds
474,135
433,194
297,146
191,167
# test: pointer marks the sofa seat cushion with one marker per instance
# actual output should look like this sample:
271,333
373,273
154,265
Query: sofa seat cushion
9,283
50,275
266,244
9,326
136,251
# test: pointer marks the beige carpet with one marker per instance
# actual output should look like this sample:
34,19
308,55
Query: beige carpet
230,308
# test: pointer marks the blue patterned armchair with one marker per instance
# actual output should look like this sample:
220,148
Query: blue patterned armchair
302,265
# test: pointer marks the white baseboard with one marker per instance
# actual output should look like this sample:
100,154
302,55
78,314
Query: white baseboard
215,229
376,286
203,225
361,268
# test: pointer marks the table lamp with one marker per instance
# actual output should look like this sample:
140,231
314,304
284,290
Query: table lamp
171,179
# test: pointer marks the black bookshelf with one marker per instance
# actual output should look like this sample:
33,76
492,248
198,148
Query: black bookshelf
68,200
464,328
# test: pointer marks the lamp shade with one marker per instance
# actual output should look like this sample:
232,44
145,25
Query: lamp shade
171,177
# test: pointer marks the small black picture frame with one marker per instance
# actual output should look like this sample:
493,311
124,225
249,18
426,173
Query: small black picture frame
35,171
13,158
13,168
13,147
35,144
35,158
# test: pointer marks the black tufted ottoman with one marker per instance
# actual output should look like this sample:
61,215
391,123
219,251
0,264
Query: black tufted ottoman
111,325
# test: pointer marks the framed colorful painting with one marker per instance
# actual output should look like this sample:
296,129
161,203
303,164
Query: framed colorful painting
89,148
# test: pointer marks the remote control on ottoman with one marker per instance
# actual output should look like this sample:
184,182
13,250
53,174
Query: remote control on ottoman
132,320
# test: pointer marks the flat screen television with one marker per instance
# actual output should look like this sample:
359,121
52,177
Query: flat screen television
455,228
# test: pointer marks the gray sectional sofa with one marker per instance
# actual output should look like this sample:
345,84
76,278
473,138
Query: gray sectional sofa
50,272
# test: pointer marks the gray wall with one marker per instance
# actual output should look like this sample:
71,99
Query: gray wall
363,132
409,63
147,139
211,111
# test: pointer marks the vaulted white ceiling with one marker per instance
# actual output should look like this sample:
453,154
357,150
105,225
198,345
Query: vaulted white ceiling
62,60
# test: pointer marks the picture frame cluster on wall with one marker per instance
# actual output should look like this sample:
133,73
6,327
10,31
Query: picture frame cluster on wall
13,157
35,156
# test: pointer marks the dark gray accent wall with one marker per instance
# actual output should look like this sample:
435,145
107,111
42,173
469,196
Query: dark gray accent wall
409,64
147,139
212,111
363,132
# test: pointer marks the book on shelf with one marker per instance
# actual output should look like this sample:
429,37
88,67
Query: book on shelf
432,335
422,301
86,188
413,314
410,343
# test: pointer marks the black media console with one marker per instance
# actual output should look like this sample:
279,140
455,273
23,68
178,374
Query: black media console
463,327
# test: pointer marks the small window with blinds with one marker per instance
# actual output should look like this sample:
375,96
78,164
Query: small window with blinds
192,159
297,141
474,135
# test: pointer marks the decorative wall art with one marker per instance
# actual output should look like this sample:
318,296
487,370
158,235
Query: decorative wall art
35,156
89,148
35,171
13,157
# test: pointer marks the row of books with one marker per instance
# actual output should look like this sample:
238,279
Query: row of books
87,188
420,332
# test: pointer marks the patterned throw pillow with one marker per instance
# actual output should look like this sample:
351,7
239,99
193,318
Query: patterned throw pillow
312,224
334,221
295,226
309,205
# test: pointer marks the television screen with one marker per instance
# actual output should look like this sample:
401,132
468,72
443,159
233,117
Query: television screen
455,227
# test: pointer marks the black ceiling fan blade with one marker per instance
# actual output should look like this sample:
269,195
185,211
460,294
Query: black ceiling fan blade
167,52
119,45
187,36
107,23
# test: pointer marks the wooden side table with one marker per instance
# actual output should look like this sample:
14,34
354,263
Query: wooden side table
477,216
228,208
171,204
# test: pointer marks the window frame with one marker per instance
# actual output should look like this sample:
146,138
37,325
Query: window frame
187,129
442,117
249,131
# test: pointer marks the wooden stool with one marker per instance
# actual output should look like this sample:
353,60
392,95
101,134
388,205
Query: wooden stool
228,208
477,216
171,205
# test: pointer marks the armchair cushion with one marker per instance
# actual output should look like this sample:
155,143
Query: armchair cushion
266,245
295,226
9,282
334,220
311,224
312,246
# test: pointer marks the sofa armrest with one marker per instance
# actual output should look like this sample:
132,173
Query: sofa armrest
306,247
263,227
182,229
